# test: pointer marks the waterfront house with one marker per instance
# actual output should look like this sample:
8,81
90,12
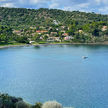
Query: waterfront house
57,39
50,39
30,42
68,38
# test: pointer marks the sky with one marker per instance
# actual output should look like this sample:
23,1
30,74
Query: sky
97,6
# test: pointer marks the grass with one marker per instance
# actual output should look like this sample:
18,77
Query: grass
11,43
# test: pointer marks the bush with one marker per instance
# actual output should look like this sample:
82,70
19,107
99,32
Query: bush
52,104
38,105
22,104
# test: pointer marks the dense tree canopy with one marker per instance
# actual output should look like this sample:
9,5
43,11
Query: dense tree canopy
20,17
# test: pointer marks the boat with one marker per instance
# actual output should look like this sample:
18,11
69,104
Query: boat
84,57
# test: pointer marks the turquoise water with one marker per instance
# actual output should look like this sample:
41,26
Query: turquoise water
57,72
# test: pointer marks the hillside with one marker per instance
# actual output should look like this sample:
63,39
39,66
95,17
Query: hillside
20,17
51,25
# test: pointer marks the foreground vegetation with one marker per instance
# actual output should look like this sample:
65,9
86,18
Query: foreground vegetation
30,26
7,101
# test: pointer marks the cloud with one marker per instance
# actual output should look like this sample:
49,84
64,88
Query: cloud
98,6
104,10
80,7
38,1
2,0
101,1
54,5
83,5
8,5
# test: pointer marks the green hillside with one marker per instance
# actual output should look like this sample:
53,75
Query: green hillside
51,25
20,17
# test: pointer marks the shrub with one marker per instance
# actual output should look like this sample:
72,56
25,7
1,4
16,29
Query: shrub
52,104
38,105
22,104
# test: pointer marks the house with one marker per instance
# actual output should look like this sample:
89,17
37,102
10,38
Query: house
80,31
32,27
44,31
53,33
33,34
18,32
38,31
30,42
55,22
41,38
47,35
62,27
57,29
41,31
41,27
68,38
63,31
65,34
57,39
50,39
104,28
49,28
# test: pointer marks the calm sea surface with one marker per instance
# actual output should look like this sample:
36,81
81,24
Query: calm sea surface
57,72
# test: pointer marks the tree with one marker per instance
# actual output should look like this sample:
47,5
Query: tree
38,105
95,32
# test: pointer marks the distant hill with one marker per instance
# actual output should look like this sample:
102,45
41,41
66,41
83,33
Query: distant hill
21,17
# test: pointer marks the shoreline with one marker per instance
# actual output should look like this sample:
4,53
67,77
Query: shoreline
8,46
71,44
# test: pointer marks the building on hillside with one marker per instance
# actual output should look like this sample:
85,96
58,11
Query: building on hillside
32,27
38,31
57,39
44,31
55,22
30,42
57,29
62,27
52,39
49,28
47,35
41,38
41,31
33,34
63,31
65,34
80,31
68,38
53,33
104,28
42,27
18,32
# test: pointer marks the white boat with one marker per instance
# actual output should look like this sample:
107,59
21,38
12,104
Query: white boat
84,57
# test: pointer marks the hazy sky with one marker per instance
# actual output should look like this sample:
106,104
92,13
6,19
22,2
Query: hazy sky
98,6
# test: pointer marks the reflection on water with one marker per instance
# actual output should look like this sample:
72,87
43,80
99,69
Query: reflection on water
37,47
